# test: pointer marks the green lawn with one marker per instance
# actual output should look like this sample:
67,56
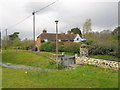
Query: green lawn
105,57
0,57
0,77
85,76
27,58
81,77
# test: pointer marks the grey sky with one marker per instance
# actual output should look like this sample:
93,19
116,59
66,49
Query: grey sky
70,13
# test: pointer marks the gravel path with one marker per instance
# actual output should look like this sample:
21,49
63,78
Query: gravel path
23,67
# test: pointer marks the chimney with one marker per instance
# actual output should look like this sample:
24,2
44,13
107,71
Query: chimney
72,32
68,32
44,31
62,33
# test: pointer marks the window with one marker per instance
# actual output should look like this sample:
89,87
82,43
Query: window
77,38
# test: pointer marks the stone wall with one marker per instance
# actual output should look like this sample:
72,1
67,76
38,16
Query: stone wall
83,51
49,55
98,62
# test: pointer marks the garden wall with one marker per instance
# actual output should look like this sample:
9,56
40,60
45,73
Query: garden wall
84,60
98,62
49,55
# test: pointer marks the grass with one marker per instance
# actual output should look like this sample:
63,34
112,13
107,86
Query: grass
105,57
0,77
82,77
92,56
86,76
0,56
27,58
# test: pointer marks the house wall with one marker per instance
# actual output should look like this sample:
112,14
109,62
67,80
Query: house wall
38,41
75,40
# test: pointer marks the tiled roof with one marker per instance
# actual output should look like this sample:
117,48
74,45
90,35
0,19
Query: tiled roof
61,36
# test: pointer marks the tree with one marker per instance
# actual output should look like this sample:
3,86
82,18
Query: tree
87,26
27,43
0,41
116,31
76,31
115,34
13,36
14,39
16,42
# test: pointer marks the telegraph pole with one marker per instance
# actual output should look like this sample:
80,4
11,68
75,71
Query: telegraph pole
33,13
6,37
6,34
56,42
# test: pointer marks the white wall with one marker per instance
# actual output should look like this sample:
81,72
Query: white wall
77,37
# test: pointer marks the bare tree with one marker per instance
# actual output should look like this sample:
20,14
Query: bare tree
87,26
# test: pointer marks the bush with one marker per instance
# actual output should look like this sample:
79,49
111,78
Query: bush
48,47
101,50
26,48
52,62
71,47
88,42
51,47
61,66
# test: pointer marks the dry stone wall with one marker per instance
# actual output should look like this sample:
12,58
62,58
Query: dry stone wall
49,55
98,62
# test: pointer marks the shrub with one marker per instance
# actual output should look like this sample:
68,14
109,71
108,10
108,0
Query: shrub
51,47
71,47
52,62
88,42
61,66
47,46
101,50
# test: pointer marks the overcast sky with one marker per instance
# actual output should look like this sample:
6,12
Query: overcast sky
70,13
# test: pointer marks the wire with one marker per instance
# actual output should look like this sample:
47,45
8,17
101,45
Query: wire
31,15
19,22
46,6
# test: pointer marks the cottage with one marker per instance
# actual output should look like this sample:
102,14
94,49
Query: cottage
62,37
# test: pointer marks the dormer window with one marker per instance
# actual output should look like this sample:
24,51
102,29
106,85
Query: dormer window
77,38
44,31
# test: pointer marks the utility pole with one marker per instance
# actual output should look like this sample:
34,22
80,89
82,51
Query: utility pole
56,42
6,37
33,13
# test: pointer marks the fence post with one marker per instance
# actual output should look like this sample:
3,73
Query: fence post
75,59
62,58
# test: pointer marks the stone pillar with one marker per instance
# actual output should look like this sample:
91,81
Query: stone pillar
83,53
83,50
